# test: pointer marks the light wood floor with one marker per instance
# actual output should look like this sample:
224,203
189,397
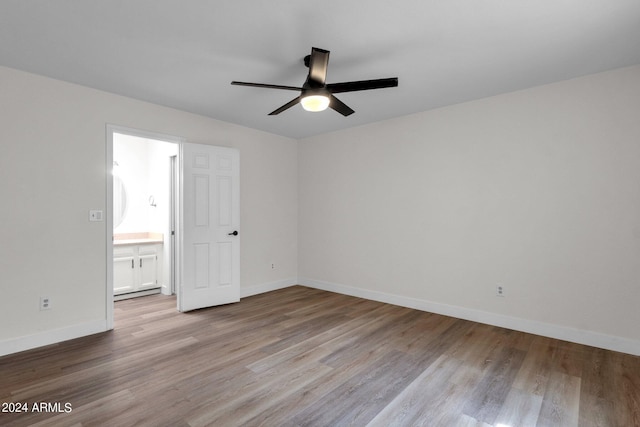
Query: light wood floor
305,357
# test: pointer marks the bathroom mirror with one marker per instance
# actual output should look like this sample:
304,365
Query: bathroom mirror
119,201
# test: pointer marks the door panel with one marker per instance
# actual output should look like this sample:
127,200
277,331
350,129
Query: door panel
201,265
201,200
224,194
225,253
210,273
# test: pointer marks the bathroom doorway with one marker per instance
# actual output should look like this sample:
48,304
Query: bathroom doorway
144,213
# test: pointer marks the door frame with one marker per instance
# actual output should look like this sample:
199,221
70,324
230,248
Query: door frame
110,130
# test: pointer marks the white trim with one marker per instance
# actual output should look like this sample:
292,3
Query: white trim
145,134
580,336
109,226
28,342
247,291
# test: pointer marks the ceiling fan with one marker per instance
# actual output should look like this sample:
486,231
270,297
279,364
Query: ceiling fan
315,93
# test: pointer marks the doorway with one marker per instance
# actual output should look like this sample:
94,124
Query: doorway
142,214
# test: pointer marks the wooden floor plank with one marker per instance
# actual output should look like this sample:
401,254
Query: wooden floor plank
306,357
490,394
561,402
626,384
373,390
420,401
520,408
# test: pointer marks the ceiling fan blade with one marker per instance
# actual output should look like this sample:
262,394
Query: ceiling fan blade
362,85
340,106
285,106
268,86
318,64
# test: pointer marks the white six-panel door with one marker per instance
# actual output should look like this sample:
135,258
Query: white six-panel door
210,253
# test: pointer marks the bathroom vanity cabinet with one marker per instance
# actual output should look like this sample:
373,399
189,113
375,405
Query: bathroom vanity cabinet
136,267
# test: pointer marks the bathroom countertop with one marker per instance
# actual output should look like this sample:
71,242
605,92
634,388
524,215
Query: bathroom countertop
137,238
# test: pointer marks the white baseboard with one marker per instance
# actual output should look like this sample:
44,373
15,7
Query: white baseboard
579,336
15,345
595,339
247,291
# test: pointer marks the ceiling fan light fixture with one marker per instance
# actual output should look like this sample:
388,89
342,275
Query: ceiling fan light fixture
315,103
315,93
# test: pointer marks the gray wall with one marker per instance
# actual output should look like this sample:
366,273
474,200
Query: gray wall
52,171
536,190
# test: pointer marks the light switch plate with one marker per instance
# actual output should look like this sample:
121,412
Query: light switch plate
95,215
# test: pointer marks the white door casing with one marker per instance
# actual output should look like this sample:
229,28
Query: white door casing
210,212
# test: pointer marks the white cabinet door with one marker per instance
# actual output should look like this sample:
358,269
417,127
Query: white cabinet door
148,263
124,271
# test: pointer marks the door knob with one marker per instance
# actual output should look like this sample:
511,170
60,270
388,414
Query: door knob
235,233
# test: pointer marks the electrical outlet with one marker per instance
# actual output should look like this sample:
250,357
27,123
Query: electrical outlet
45,303
499,291
273,266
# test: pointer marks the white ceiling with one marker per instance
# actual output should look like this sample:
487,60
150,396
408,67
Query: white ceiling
185,53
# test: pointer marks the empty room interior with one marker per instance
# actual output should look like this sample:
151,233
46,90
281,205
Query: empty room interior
296,214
